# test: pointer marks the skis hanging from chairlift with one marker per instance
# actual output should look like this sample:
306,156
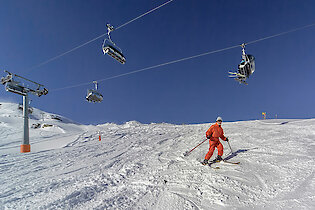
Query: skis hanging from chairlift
93,95
15,86
245,68
111,49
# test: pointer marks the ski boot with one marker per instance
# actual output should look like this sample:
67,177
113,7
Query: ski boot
217,159
205,162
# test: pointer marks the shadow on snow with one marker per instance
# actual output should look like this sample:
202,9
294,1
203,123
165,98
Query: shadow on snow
234,154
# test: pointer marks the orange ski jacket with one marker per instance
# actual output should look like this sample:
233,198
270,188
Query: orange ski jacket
215,131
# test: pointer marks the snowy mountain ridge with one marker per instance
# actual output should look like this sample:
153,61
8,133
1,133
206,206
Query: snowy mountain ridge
141,166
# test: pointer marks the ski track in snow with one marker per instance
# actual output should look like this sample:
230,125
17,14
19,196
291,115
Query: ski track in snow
141,166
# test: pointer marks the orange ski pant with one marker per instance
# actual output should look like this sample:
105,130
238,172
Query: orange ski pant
213,145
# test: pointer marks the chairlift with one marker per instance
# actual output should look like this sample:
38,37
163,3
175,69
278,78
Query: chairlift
94,95
245,68
110,48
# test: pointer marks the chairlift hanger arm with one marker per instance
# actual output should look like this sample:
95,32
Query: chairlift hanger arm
96,85
110,28
243,50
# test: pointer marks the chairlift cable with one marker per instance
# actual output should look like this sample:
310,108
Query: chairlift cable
148,68
280,34
98,37
188,58
67,52
143,15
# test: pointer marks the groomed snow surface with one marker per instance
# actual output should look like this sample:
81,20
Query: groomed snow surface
141,166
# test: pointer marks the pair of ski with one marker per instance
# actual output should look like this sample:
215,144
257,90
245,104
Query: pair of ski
238,77
210,164
235,74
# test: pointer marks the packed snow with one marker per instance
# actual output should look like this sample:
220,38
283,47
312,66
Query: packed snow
141,166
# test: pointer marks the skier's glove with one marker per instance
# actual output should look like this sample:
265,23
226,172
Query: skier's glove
227,139
208,137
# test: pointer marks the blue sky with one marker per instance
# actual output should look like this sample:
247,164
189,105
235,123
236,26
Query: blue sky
192,91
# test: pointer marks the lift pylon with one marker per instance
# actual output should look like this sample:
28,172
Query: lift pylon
14,86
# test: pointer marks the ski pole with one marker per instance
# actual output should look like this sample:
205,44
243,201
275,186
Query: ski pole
188,152
230,146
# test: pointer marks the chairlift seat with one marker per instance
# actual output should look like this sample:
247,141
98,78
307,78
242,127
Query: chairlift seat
112,50
251,59
94,96
114,54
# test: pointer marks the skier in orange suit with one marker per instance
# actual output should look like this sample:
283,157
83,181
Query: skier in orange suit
213,134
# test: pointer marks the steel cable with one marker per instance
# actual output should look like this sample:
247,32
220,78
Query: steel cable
98,37
188,58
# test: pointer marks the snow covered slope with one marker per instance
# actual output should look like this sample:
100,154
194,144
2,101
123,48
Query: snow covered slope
141,166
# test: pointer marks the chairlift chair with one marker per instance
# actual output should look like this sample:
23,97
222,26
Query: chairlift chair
93,95
245,68
110,48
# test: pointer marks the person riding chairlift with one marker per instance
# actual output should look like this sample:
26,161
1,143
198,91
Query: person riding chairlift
244,68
